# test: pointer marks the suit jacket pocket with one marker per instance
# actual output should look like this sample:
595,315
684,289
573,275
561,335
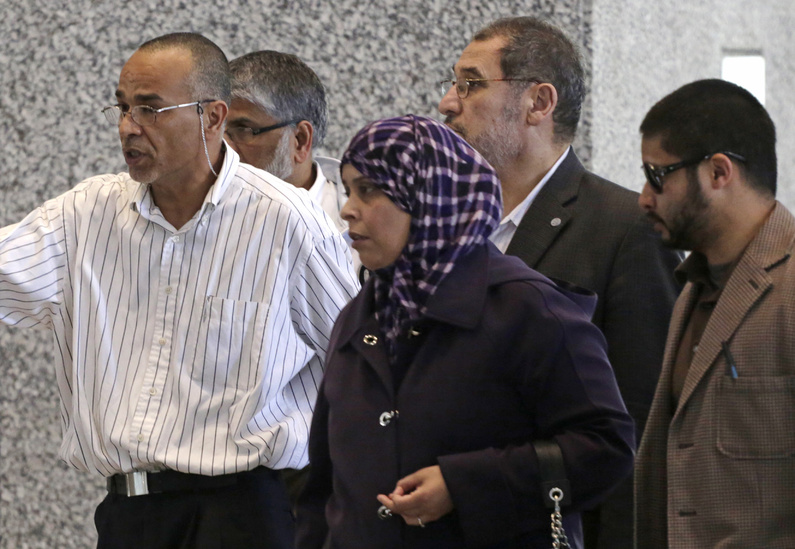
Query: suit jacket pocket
756,417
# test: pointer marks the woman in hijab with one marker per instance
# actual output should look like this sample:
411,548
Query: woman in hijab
449,367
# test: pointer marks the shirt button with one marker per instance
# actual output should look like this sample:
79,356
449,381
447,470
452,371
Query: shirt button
385,418
140,437
153,391
162,341
555,222
169,289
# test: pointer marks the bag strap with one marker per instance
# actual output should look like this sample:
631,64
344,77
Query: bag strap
552,471
554,486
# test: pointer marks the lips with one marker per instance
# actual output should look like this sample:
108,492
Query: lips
449,123
133,156
356,238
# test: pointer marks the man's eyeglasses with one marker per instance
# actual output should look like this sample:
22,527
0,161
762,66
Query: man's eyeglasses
463,85
655,174
144,115
244,134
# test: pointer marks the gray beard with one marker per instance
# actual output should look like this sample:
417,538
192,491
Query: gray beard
281,166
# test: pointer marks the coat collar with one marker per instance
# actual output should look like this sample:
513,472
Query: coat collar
549,213
748,283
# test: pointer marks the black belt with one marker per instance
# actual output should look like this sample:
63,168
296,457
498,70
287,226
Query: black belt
141,483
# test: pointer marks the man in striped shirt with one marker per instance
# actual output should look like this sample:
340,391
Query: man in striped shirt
191,301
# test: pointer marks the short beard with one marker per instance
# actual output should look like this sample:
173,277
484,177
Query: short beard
281,165
689,228
499,143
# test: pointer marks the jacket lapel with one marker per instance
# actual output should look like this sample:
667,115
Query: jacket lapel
361,332
749,282
549,213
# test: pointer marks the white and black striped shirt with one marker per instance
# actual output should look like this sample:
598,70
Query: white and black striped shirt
198,349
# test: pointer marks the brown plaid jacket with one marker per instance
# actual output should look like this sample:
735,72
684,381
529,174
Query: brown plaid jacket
719,471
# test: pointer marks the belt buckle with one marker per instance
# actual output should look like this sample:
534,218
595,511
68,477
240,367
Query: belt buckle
137,483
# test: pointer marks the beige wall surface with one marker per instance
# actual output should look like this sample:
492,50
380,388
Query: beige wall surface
644,50
59,64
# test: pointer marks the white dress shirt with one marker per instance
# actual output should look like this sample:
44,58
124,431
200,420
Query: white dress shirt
198,349
329,192
503,234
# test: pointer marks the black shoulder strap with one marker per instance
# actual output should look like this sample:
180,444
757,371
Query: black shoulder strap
552,471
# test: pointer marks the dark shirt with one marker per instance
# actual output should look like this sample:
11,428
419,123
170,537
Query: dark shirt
709,281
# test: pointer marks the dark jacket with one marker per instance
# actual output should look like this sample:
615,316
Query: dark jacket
591,232
508,358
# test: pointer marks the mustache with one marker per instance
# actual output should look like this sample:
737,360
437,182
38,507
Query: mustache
654,218
448,120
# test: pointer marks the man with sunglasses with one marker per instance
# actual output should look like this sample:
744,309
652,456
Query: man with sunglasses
716,465
516,96
191,301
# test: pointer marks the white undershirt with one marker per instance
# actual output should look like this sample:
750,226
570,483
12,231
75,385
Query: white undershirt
503,235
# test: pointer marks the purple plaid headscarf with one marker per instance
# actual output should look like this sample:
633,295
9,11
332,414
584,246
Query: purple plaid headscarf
452,194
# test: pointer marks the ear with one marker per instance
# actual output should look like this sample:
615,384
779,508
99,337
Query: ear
540,101
721,171
304,134
215,114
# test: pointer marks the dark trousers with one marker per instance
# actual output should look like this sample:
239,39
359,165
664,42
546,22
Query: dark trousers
254,513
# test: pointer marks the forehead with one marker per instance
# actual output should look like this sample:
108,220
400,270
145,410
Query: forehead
243,110
163,74
652,151
481,59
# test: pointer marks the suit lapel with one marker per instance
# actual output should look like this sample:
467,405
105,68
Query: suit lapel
749,282
549,213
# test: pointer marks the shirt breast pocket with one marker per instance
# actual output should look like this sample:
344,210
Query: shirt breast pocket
229,343
756,417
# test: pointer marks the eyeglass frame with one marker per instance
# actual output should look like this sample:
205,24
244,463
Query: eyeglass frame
452,83
654,174
152,110
257,131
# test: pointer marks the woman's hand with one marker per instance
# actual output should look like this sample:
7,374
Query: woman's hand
420,498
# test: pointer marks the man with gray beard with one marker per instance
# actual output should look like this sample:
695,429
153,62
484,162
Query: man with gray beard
278,116
516,96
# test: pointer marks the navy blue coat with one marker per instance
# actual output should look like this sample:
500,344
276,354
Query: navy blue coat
508,358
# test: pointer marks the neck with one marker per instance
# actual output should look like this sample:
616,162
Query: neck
522,176
736,230
303,175
179,201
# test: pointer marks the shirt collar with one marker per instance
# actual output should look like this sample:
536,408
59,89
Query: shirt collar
317,187
141,200
518,212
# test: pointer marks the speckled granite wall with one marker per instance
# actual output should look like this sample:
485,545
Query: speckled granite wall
59,64
645,50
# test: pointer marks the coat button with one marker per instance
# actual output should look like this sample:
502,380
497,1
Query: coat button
384,512
386,418
370,339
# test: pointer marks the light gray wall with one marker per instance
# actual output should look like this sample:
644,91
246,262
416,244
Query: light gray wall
59,64
644,50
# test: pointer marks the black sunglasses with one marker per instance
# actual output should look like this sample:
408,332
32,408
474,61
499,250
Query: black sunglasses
655,174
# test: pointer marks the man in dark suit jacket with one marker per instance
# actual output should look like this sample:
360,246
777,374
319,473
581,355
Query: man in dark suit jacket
516,96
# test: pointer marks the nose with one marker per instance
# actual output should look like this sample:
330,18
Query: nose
450,104
348,211
127,126
647,198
